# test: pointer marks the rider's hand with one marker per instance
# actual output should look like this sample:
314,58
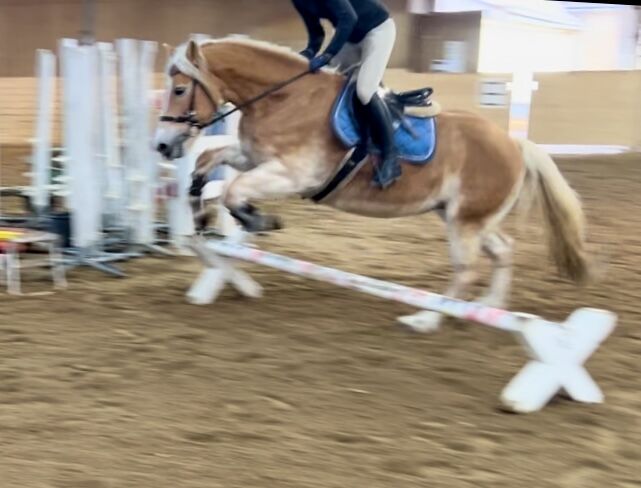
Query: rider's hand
319,61
308,53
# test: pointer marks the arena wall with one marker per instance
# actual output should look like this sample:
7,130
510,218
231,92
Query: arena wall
597,108
27,25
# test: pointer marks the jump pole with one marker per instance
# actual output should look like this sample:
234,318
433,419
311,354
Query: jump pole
557,351
41,167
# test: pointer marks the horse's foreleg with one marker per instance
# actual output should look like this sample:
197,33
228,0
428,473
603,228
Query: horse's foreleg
210,159
269,180
465,246
206,163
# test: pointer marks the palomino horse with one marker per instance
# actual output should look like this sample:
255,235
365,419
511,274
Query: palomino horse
287,147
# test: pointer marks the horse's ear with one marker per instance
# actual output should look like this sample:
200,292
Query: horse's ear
193,53
169,50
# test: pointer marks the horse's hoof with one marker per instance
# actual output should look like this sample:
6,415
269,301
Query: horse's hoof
268,223
201,222
262,223
253,221
273,222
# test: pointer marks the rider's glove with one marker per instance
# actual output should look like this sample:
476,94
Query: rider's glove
308,53
319,61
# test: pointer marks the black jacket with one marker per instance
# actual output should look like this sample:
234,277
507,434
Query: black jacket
352,21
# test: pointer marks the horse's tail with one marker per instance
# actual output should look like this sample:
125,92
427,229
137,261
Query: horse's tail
562,212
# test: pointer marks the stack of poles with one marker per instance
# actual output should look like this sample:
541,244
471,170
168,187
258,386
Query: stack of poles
111,173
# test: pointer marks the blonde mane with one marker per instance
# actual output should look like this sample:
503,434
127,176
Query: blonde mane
259,45
180,60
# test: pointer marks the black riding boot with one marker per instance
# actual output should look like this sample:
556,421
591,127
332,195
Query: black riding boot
382,131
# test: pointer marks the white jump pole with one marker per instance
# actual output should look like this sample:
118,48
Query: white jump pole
521,88
149,158
226,224
181,222
112,168
81,97
41,160
128,61
557,351
181,214
82,108
141,162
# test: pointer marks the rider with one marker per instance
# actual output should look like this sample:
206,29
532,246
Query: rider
365,32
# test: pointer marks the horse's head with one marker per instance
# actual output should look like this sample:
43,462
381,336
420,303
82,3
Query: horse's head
193,99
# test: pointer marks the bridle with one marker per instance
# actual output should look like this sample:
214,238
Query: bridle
191,117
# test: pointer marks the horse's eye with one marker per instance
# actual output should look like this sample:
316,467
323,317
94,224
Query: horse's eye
179,91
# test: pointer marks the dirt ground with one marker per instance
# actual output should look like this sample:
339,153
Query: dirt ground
121,383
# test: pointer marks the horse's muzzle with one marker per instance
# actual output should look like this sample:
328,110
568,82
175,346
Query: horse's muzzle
170,151
174,149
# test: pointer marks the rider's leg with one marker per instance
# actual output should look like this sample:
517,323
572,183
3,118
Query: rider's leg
381,128
347,57
376,51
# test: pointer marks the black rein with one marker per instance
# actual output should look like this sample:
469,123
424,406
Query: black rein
191,119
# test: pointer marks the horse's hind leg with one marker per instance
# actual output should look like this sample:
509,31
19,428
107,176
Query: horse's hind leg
498,247
269,180
465,246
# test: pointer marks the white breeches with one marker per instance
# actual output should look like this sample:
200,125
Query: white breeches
373,52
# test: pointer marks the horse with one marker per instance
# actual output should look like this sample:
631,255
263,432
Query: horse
287,147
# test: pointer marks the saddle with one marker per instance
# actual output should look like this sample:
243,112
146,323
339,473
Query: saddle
415,136
398,102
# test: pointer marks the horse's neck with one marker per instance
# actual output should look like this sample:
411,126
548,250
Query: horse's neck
248,71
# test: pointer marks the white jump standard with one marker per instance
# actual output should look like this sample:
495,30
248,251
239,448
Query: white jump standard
557,351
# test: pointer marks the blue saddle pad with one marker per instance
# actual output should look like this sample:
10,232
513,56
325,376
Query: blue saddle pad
416,146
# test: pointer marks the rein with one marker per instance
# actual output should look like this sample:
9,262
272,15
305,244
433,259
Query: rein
191,119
